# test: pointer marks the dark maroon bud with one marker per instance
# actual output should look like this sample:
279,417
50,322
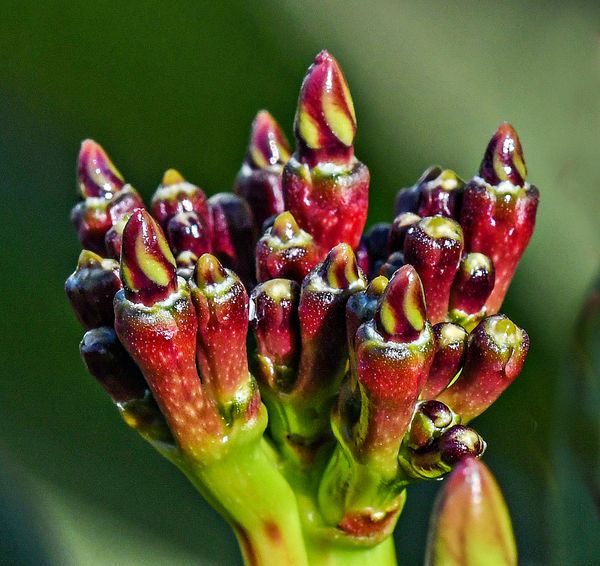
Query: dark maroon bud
91,289
408,199
398,230
458,443
392,264
110,364
188,232
440,196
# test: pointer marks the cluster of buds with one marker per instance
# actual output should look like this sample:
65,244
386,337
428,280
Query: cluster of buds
369,353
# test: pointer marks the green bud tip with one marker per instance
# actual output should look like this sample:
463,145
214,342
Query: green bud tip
285,227
209,271
147,264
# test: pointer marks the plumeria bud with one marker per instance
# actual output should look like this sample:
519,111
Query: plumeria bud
393,355
471,288
409,198
440,196
285,251
324,186
398,230
91,289
259,179
188,232
437,458
498,211
322,320
92,221
221,303
450,344
430,419
110,364
274,319
503,159
155,321
175,195
234,238
434,247
495,355
470,523
147,264
96,174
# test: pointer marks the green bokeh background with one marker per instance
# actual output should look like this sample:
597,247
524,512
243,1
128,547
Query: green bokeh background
176,85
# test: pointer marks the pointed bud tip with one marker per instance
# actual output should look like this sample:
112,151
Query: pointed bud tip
97,175
209,271
439,227
147,263
401,312
285,226
340,269
325,119
268,144
172,177
503,159
88,259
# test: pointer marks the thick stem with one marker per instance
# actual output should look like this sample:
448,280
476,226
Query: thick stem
327,553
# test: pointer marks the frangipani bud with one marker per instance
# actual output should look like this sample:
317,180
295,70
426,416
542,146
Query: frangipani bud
285,251
495,355
324,186
440,196
96,174
91,289
470,524
434,247
275,323
499,208
189,232
221,304
259,179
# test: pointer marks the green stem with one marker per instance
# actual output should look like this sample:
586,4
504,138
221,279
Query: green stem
323,553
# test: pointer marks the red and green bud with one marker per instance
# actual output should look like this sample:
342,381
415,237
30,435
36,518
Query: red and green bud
221,304
434,247
147,264
234,237
175,195
430,420
155,321
470,524
322,313
450,344
91,289
110,364
97,177
324,186
499,209
448,449
496,351
189,235
274,319
285,251
393,356
471,288
113,239
259,179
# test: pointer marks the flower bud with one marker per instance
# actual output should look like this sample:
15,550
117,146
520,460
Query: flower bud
188,232
375,242
440,196
434,246
91,289
234,238
495,355
175,195
398,230
221,304
96,174
470,523
409,198
499,208
471,288
285,251
275,323
450,344
430,420
324,186
147,264
259,179
392,264
108,362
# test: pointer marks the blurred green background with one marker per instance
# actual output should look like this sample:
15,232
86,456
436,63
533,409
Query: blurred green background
176,85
